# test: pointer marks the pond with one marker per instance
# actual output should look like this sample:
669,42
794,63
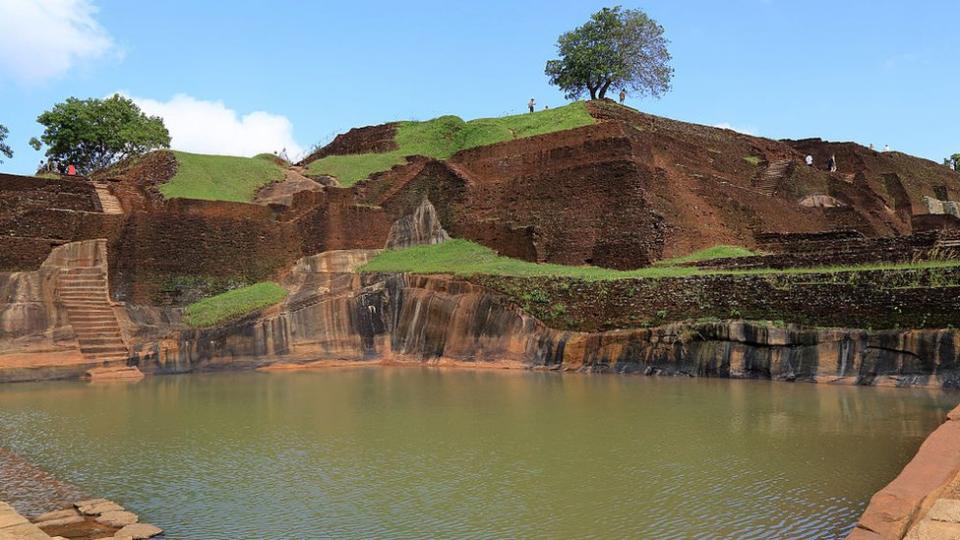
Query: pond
420,452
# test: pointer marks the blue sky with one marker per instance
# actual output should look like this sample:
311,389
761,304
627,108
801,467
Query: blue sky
260,75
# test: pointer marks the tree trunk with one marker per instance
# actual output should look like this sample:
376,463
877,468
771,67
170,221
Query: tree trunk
603,89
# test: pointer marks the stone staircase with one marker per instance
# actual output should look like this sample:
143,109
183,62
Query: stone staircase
84,294
109,203
769,181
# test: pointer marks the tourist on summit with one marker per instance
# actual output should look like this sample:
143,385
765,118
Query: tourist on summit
531,104
886,148
623,95
808,160
833,163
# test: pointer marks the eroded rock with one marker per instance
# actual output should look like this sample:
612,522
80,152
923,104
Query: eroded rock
95,507
118,518
139,531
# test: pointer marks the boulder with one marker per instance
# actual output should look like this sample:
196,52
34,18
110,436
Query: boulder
139,531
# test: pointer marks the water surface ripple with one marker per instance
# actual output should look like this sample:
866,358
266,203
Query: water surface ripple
407,452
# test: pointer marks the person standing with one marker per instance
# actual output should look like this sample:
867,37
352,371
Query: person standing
623,95
532,104
833,163
808,160
886,148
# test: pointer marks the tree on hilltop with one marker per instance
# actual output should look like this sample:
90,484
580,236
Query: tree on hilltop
953,162
619,48
95,133
4,147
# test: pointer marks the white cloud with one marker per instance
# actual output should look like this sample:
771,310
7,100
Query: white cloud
744,130
42,39
209,127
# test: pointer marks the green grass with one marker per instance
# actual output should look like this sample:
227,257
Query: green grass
233,304
220,178
465,258
442,137
462,257
715,252
753,160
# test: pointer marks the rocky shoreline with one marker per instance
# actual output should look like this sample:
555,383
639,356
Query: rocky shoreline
57,509
923,501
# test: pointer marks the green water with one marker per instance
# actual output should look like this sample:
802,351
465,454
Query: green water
380,452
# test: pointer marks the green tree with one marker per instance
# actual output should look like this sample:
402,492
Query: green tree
953,162
619,48
4,147
94,133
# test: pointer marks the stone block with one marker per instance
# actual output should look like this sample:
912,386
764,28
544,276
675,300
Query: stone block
139,531
947,510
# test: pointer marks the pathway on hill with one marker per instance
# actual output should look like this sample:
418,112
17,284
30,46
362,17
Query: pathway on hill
109,203
769,181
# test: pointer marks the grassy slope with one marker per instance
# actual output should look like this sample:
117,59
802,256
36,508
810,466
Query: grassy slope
462,257
220,178
444,136
233,304
715,252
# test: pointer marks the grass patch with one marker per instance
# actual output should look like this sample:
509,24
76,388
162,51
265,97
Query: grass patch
465,258
220,178
462,257
233,304
442,137
753,160
715,252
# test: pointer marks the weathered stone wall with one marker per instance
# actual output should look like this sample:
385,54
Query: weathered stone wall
37,214
341,316
797,253
927,298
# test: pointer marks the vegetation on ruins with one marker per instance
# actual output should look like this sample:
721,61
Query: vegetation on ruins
233,304
617,48
464,258
220,178
715,252
95,133
4,147
442,137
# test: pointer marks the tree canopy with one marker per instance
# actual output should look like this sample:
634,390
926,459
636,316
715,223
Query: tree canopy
4,147
619,48
953,162
94,133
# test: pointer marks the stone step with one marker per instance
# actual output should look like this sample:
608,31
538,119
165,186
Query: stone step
89,289
92,318
87,313
99,338
101,349
85,302
81,298
89,283
112,358
77,270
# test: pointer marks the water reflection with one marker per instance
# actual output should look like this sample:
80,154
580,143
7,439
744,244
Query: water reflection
422,452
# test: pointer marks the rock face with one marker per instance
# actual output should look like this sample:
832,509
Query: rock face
335,314
420,227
